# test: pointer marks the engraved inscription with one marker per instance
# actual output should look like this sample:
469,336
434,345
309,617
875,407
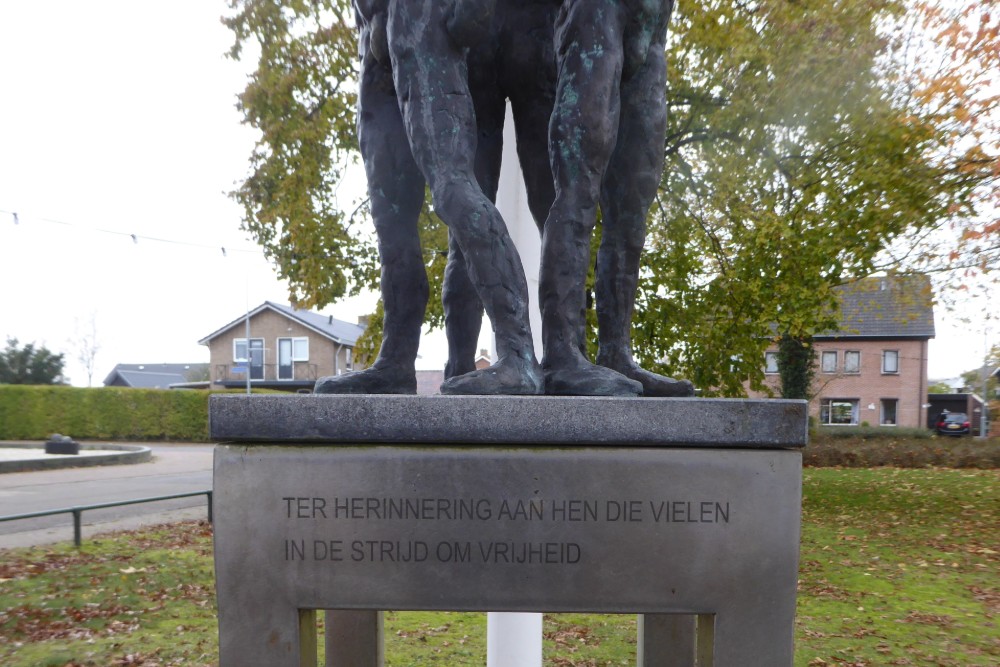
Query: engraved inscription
403,516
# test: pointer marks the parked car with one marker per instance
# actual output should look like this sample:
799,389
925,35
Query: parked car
953,423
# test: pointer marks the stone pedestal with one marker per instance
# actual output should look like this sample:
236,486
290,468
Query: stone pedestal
683,510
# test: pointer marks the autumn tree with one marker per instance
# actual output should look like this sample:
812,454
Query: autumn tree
301,99
791,167
297,199
952,84
805,142
29,364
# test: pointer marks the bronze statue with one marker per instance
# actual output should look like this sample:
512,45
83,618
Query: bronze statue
605,137
619,151
515,62
606,143
419,96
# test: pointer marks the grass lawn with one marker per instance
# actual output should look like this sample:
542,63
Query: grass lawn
898,567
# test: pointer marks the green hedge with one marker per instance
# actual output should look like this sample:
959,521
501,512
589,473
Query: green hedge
874,432
104,413
943,452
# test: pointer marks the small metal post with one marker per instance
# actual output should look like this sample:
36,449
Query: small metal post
706,640
667,640
984,430
308,647
77,533
354,638
209,495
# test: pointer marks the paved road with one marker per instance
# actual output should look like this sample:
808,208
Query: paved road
175,468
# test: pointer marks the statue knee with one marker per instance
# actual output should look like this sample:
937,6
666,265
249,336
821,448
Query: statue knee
454,200
633,237
575,210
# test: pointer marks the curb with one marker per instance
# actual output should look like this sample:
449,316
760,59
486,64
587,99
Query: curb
128,454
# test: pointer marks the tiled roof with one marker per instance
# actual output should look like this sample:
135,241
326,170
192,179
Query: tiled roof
886,307
336,330
155,376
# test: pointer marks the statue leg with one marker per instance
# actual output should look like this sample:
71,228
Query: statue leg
463,310
628,189
522,67
463,313
582,134
531,118
528,78
396,190
440,121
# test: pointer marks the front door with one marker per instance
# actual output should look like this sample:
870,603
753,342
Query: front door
285,369
256,358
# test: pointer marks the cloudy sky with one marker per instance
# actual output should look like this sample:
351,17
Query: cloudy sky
117,118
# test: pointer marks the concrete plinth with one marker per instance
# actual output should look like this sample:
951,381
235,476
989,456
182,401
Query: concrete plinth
700,538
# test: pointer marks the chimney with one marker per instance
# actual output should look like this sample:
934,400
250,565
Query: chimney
331,320
363,320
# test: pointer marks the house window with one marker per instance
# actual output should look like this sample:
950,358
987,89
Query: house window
829,362
300,349
888,416
771,362
252,356
852,361
838,411
240,353
349,363
890,361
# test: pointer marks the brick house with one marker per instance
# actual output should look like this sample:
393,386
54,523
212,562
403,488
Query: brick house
873,369
288,349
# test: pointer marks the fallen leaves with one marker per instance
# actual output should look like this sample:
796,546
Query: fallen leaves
940,620
572,637
887,549
35,624
988,596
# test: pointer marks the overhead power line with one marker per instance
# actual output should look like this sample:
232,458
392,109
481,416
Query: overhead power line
136,238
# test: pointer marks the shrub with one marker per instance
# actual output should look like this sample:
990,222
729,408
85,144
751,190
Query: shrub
906,448
865,432
103,413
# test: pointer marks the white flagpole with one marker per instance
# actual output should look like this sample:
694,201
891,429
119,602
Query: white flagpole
515,639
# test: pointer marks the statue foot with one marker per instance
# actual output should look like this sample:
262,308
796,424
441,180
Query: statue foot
454,369
652,383
384,379
509,376
586,379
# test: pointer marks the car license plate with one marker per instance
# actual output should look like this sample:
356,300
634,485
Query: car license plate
953,426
